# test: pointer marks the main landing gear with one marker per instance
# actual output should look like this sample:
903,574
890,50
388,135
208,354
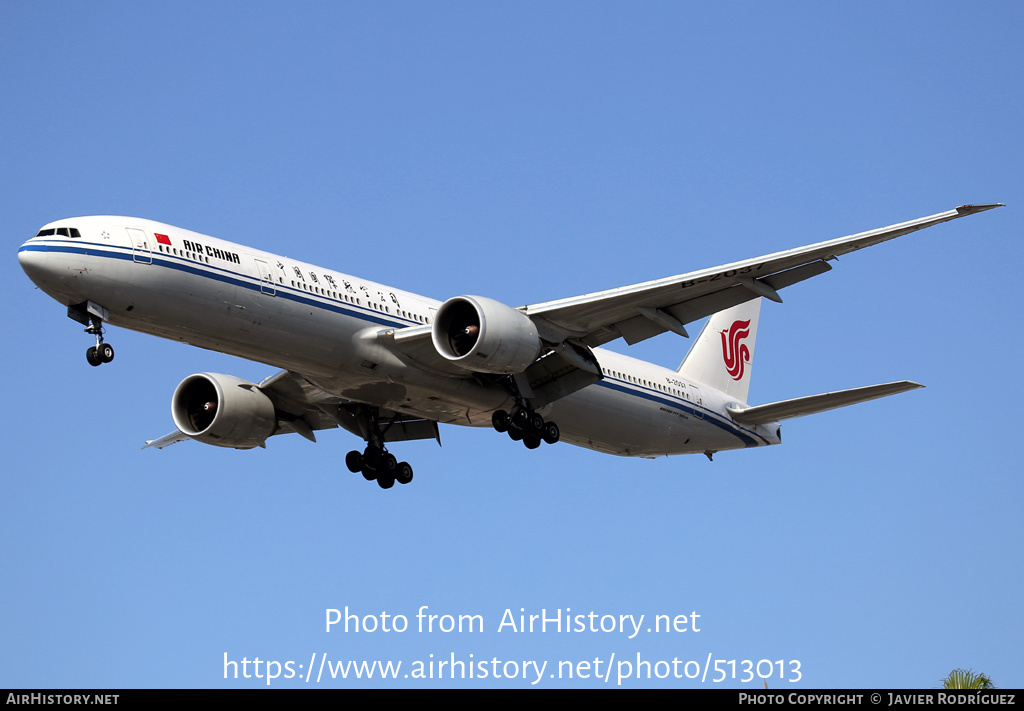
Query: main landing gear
526,425
376,462
101,352
380,464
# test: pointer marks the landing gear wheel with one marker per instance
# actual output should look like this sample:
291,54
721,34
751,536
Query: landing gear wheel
403,475
385,481
354,461
536,423
531,442
551,432
371,463
105,352
372,458
390,463
500,421
515,434
520,419
93,357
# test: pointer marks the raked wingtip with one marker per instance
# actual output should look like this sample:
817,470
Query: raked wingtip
971,209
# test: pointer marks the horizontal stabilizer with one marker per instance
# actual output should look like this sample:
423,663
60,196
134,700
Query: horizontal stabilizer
798,407
167,440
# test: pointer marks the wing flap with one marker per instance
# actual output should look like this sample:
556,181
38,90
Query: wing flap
561,373
406,430
812,404
300,405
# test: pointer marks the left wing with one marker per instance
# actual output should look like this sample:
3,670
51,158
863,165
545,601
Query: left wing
568,328
641,311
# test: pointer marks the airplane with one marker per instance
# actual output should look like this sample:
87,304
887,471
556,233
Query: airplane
388,365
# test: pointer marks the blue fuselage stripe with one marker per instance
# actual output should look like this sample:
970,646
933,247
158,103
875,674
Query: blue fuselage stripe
226,277
708,415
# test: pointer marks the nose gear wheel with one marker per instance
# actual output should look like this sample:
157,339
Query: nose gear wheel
102,352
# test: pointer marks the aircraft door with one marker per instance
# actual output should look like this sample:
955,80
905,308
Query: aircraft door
266,278
698,403
140,246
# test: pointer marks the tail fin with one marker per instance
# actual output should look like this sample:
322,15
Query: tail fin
722,355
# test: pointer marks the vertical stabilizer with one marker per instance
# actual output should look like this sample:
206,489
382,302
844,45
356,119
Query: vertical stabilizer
722,356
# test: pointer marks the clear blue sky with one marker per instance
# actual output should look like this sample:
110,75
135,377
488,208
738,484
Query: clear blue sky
527,151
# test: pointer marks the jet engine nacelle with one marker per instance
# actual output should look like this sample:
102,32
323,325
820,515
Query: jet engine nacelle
223,410
484,335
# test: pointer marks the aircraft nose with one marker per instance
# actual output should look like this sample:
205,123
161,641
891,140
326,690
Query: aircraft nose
32,257
37,265
41,259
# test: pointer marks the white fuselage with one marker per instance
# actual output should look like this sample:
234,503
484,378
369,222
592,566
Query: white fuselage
324,324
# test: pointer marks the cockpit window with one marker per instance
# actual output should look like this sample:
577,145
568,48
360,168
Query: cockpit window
60,231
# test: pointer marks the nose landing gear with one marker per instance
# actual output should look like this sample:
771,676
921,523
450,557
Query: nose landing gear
102,352
91,316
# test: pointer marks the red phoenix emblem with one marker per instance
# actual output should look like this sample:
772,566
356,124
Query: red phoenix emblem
734,352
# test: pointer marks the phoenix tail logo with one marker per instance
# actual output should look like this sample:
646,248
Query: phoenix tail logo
734,352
